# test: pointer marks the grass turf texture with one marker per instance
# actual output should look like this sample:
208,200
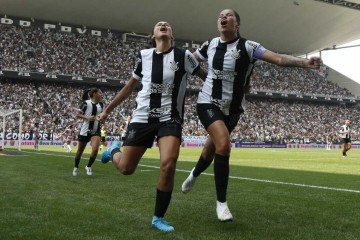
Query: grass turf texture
40,199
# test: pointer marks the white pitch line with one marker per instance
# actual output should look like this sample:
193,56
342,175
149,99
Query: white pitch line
9,155
270,181
240,178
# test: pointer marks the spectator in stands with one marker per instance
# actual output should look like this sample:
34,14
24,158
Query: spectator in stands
162,71
230,60
278,119
90,108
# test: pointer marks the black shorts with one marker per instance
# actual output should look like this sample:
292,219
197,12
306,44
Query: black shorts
143,134
102,139
346,140
87,138
209,113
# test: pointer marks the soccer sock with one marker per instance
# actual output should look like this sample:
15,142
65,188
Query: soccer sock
91,161
162,202
77,161
221,171
201,166
114,151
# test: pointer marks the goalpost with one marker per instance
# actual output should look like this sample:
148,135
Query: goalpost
4,114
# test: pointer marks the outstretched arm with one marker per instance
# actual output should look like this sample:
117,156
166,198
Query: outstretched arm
291,61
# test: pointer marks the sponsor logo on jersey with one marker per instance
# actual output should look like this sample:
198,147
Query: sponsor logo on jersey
224,75
174,66
222,104
192,61
161,88
253,44
159,112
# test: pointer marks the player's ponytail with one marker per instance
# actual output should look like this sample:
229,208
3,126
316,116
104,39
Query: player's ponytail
237,16
151,41
85,96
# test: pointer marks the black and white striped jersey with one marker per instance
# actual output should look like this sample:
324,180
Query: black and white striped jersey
345,131
230,65
88,108
163,78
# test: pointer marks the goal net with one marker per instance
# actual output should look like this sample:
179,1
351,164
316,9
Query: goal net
11,126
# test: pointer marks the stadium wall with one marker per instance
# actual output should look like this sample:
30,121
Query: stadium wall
13,143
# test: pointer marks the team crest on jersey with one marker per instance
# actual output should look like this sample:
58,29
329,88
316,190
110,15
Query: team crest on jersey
235,54
174,66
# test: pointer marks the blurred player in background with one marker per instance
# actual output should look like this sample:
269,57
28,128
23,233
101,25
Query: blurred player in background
67,137
328,140
90,128
345,134
36,136
103,137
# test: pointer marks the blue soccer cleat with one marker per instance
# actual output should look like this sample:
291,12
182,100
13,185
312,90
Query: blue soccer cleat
106,156
161,224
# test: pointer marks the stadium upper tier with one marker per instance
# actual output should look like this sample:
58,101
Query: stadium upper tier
29,49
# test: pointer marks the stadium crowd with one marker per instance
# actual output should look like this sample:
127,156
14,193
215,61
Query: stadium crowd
54,105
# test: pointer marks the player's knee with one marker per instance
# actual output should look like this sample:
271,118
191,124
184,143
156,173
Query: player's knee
169,167
125,168
223,147
126,171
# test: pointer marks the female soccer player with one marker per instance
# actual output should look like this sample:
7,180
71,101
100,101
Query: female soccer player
230,62
90,128
345,134
36,131
66,135
159,113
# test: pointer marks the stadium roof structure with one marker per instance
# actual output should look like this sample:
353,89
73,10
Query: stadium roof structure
284,26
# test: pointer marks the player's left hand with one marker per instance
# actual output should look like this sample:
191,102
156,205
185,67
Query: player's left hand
101,117
314,63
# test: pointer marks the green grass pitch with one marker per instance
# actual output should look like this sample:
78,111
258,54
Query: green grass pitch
273,194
